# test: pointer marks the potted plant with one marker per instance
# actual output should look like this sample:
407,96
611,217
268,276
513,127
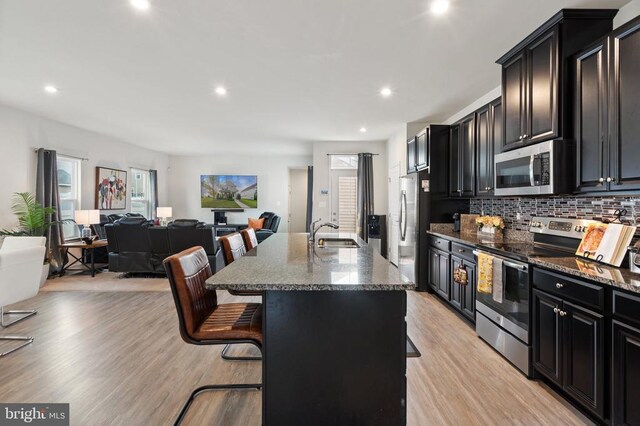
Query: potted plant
491,225
32,222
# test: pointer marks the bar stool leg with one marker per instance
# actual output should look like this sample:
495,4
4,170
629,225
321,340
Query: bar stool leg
207,388
238,358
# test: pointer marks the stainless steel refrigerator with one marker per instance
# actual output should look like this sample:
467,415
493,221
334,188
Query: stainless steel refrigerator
407,243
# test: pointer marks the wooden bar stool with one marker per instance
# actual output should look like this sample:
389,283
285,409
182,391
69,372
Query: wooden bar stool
202,320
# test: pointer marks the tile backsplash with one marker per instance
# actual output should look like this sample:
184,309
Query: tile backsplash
597,208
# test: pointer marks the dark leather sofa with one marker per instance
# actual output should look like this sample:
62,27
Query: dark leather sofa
270,226
136,246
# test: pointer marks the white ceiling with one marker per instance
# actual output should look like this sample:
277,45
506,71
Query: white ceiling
296,70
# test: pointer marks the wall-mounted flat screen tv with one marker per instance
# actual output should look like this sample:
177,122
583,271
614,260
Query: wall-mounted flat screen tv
229,191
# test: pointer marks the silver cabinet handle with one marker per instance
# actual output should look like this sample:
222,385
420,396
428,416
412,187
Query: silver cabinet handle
559,285
520,138
601,180
525,136
562,313
609,179
460,250
556,310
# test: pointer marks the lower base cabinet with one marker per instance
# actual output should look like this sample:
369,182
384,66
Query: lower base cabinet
626,374
442,265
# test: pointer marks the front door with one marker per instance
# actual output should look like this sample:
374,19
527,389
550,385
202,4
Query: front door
344,199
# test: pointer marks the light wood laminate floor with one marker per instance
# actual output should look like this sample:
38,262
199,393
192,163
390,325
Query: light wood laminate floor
118,359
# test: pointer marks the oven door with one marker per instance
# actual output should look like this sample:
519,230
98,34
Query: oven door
512,314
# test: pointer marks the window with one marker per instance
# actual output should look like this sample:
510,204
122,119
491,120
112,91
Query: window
140,193
344,162
69,189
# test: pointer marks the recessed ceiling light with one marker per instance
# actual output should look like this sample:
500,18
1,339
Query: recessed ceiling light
439,7
386,92
140,4
51,89
363,130
220,90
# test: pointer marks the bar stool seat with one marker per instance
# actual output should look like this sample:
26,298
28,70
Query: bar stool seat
232,321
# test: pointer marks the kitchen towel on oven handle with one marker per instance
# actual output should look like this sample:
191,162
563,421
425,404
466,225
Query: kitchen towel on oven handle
485,273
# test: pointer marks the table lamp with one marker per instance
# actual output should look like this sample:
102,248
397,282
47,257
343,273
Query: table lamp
86,218
164,213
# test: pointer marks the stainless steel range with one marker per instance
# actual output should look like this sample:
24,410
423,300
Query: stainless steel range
505,323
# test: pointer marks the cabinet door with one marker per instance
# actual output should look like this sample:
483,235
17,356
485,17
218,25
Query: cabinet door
443,279
411,155
497,134
513,98
422,144
547,335
590,119
542,89
624,125
484,182
626,375
469,295
456,290
434,269
583,352
468,156
454,161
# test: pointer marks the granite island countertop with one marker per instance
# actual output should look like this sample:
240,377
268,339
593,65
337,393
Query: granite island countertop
287,262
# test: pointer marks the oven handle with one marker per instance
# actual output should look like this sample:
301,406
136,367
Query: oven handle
508,263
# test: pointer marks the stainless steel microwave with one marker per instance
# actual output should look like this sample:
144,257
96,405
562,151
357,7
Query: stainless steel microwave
543,168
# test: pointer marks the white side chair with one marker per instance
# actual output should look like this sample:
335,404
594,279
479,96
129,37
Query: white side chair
20,271
18,243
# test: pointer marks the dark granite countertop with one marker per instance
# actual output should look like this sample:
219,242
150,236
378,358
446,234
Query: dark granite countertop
617,277
287,262
609,275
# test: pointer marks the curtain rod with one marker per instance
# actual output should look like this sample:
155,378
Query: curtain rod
351,153
65,155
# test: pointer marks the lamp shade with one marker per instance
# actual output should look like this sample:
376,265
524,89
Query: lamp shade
164,212
86,217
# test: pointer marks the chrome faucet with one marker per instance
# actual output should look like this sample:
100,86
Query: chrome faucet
312,240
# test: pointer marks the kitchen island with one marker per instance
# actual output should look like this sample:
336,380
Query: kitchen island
334,330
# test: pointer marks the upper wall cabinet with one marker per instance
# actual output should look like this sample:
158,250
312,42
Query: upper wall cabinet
536,100
462,159
488,143
422,149
606,112
411,155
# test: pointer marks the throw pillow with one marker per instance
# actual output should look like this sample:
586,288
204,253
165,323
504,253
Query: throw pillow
256,224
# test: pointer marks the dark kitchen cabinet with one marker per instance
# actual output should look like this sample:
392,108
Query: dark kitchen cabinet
626,374
568,348
463,297
439,272
547,335
456,291
411,155
488,143
422,149
583,351
606,112
591,119
462,158
537,101
624,127
454,161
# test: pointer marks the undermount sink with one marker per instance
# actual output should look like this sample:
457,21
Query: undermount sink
338,242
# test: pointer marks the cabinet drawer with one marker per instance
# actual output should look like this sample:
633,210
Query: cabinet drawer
439,243
462,251
584,293
626,307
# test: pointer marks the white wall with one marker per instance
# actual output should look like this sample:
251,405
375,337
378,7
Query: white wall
22,132
321,173
273,183
626,13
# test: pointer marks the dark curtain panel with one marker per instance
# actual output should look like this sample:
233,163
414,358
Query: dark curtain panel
153,182
309,197
365,193
47,194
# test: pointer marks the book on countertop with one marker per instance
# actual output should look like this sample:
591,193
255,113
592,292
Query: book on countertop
606,242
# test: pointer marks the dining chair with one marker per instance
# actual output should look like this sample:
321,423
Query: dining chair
250,239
